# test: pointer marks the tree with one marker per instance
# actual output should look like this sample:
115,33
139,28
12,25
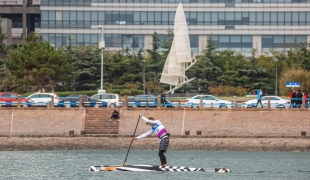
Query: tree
294,75
6,79
38,61
208,68
234,69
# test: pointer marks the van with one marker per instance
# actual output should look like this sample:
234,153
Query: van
113,100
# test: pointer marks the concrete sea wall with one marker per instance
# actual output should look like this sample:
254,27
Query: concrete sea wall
191,129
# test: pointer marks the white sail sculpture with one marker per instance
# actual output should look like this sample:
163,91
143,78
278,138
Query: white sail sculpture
180,58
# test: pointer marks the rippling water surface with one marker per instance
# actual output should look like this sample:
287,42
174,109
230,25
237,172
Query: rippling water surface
74,164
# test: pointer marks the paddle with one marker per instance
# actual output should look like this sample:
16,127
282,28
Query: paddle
131,141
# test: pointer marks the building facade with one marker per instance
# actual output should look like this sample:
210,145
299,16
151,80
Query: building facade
240,25
24,18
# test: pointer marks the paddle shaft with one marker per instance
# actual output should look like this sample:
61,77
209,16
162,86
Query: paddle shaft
132,140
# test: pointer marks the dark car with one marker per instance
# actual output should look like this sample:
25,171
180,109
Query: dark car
74,99
145,101
11,99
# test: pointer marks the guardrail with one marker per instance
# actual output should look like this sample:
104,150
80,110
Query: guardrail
157,104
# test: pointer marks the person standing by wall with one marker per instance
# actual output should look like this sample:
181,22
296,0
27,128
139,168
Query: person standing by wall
259,98
306,95
299,96
163,98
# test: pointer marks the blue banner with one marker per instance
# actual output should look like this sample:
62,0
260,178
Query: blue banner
292,84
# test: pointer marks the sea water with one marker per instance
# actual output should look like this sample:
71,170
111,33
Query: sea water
75,164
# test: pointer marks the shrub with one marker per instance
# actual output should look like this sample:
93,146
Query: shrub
227,90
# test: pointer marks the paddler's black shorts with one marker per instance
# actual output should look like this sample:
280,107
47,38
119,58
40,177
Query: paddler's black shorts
164,142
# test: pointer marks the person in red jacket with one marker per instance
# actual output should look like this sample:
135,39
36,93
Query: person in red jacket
306,95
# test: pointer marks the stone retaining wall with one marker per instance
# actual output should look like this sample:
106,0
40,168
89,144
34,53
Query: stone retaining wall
210,122
41,121
222,122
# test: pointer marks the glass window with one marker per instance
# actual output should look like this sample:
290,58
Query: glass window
308,18
51,15
193,18
66,15
278,41
158,18
144,18
64,39
94,16
122,18
79,40
207,18
214,18
87,39
136,17
230,18
221,18
288,18
115,18
138,42
94,38
224,42
80,15
266,18
295,18
127,41
280,18
73,15
267,42
86,16
44,15
95,97
194,41
302,18
51,39
101,18
259,18
273,18
150,18
199,18
252,18
301,39
238,18
171,18
58,41
165,18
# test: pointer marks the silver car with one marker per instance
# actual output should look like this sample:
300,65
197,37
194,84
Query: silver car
208,101
113,100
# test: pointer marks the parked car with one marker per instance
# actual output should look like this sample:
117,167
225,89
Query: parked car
11,99
145,100
208,101
275,101
74,100
43,99
113,100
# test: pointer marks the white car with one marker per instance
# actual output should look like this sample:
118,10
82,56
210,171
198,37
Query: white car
43,99
209,101
275,102
113,100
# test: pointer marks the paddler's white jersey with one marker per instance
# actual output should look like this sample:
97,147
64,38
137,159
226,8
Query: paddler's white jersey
157,129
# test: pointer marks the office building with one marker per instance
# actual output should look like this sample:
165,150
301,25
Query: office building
240,25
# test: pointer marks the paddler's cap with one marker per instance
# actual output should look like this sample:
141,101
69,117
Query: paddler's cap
150,118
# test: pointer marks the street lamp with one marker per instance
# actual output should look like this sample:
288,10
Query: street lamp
143,76
276,77
101,46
